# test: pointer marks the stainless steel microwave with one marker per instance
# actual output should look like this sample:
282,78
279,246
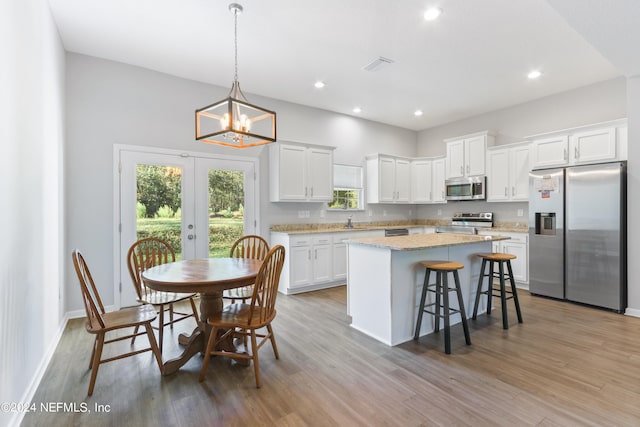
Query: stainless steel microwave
467,188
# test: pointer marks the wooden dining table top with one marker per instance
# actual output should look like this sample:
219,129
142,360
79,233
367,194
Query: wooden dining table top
202,275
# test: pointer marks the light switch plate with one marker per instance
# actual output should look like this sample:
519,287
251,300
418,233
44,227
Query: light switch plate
520,212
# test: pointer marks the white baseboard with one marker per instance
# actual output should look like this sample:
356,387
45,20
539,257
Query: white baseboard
42,368
634,312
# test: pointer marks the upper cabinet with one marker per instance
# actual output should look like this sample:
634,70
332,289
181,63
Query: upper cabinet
597,143
427,180
508,173
388,179
466,155
300,172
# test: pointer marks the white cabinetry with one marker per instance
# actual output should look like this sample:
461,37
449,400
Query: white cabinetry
518,245
597,143
427,180
439,173
316,260
466,155
300,172
388,179
340,256
508,173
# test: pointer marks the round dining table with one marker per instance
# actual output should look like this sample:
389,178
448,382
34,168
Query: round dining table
208,277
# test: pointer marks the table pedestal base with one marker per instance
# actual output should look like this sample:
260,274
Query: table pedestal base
197,342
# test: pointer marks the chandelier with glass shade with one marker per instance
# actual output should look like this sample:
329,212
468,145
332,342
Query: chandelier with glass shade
233,121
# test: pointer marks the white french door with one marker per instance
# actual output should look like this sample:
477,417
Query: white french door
188,223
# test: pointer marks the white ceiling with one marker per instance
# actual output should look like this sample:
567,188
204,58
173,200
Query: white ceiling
473,59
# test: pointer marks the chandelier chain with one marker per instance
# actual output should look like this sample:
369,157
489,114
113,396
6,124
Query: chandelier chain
235,43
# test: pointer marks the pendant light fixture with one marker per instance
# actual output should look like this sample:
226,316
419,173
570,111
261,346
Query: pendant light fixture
233,121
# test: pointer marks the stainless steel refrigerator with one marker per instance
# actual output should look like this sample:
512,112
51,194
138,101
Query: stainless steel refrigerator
577,234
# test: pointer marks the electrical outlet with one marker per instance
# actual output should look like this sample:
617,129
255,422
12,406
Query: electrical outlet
370,212
300,214
322,213
306,214
384,213
410,212
439,212
520,212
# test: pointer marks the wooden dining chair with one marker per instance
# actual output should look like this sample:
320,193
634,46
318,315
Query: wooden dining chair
250,246
147,253
242,319
99,322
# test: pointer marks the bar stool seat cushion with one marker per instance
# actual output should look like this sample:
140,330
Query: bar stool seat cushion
442,265
496,256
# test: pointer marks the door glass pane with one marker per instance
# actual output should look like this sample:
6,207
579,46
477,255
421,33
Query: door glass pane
159,204
226,210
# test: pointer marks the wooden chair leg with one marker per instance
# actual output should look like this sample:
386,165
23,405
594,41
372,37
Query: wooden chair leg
207,354
93,352
254,356
273,341
171,315
161,328
194,309
135,333
154,345
96,361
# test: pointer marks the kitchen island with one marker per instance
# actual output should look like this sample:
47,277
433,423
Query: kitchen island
385,279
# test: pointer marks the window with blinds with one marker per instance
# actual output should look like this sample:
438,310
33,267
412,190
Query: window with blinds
347,188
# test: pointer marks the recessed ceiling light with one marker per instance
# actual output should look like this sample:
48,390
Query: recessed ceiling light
417,113
319,84
357,109
534,74
432,13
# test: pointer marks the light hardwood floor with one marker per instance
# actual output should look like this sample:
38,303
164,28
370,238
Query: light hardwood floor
565,365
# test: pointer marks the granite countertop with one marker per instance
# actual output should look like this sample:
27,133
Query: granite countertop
423,241
505,227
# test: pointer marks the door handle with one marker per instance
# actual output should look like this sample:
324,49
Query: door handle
311,191
513,191
576,153
506,190
564,154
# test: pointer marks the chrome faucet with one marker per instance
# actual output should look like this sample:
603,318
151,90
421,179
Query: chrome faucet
349,224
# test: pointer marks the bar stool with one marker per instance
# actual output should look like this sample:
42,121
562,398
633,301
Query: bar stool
501,259
441,289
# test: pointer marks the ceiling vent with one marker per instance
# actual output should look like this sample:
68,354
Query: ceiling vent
378,63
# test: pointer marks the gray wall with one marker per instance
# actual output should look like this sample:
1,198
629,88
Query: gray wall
112,103
31,147
633,201
591,104
587,105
